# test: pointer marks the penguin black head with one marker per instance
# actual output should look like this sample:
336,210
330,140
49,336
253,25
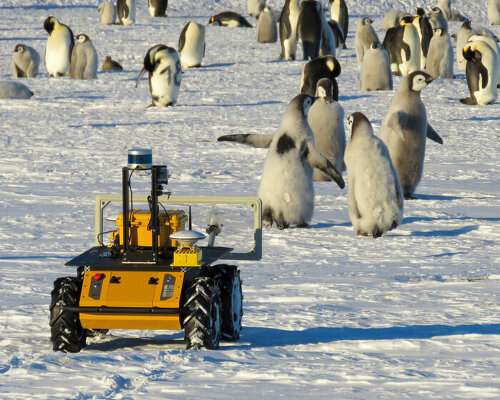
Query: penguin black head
418,80
471,54
420,11
20,48
407,20
82,38
324,89
357,120
150,57
49,24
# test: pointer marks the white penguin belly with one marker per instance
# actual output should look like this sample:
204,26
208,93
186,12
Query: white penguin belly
410,37
57,53
164,90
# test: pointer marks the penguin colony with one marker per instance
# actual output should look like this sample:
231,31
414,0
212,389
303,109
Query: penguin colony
310,142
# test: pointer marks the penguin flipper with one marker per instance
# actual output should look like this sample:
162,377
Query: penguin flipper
316,160
143,71
397,122
432,134
257,141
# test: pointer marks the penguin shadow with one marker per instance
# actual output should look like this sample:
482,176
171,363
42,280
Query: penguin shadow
433,197
451,233
217,65
323,225
356,97
485,118
46,7
260,103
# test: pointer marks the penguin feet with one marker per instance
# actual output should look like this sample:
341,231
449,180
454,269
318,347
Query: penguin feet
376,233
361,233
282,225
302,225
469,101
410,197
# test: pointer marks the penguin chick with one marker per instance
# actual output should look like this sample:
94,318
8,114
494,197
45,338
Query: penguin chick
267,30
25,61
326,119
437,19
440,56
405,129
14,90
83,59
374,194
365,36
255,7
107,13
376,69
111,65
59,47
391,19
286,188
494,12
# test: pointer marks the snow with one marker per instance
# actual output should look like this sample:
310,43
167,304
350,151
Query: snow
327,314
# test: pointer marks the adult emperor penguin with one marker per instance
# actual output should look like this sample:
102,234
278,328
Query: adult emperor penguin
230,19
340,13
192,45
326,119
157,8
14,90
339,36
107,13
314,70
374,194
440,55
111,65
481,72
83,59
494,12
309,28
165,75
463,35
392,19
59,47
286,188
288,29
255,7
365,36
376,69
405,129
424,30
25,61
267,29
126,11
493,43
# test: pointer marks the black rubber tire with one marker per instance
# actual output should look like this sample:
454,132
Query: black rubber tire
202,314
228,277
66,331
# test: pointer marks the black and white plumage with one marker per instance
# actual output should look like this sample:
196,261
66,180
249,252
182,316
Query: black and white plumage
83,59
314,70
340,13
365,36
339,36
288,29
255,7
405,129
326,119
267,28
309,28
59,47
165,75
494,12
192,45
126,11
14,90
286,188
440,56
376,69
374,195
425,33
25,61
463,35
493,43
157,8
111,65
107,13
229,19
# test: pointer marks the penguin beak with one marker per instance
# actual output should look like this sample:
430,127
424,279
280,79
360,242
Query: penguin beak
429,80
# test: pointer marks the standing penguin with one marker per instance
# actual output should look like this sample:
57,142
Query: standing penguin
267,30
481,71
309,28
288,29
376,69
107,13
14,90
255,7
83,59
165,75
126,11
424,30
494,12
192,45
59,47
340,13
25,61
286,188
374,195
338,35
314,70
437,19
440,55
158,8
405,129
365,36
493,43
326,119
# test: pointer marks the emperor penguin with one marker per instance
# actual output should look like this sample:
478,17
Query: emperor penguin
314,70
338,35
392,19
493,43
425,32
267,28
340,13
14,90
59,47
437,19
286,188
326,119
481,72
494,12
405,129
25,61
376,69
157,8
229,19
309,28
126,11
83,59
107,13
365,36
255,7
111,65
192,45
288,29
165,75
374,194
463,35
440,56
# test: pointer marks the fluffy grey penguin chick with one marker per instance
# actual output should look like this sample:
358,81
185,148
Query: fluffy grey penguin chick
267,28
391,19
374,195
14,90
326,119
83,59
365,36
494,12
107,13
376,69
439,62
25,61
255,7
286,188
405,129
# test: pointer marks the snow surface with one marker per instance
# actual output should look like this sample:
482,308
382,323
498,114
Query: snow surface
414,314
